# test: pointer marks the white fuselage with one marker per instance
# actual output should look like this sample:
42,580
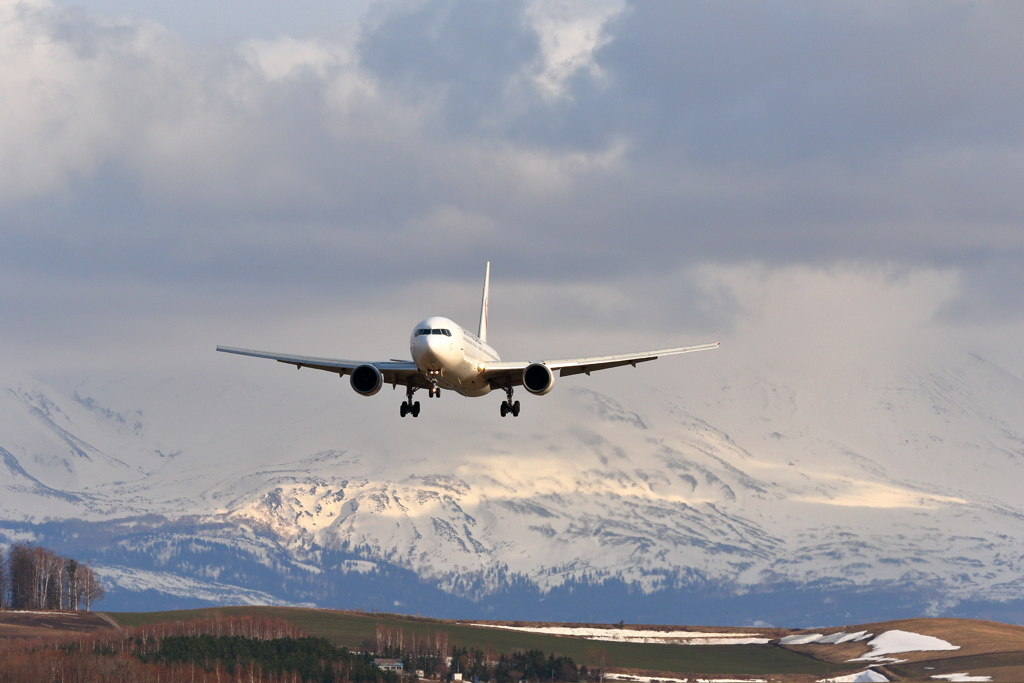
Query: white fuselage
454,356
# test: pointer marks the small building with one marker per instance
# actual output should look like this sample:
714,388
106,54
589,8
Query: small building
388,664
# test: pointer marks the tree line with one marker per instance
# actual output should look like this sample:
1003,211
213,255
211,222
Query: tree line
434,655
35,578
260,649
251,649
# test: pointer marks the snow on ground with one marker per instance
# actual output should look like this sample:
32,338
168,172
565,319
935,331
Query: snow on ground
138,580
866,676
957,678
626,635
648,679
819,639
894,642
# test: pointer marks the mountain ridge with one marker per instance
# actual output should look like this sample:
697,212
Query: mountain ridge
747,487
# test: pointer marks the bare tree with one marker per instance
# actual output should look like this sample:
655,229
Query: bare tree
442,643
49,568
91,589
3,580
71,570
599,659
21,576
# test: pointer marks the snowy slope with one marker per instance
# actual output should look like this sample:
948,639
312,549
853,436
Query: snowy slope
905,474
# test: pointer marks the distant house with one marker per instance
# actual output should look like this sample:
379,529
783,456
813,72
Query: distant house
388,664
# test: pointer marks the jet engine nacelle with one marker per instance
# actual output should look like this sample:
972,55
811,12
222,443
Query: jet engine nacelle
367,380
538,379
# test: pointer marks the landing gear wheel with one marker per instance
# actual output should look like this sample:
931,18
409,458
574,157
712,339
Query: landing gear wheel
404,409
515,409
415,409
504,408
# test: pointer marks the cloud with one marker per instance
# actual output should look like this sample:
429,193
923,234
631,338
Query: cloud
605,157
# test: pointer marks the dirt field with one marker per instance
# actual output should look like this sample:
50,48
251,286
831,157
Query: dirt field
986,649
17,624
974,638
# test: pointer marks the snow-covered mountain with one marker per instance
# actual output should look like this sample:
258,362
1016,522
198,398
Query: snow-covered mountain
902,481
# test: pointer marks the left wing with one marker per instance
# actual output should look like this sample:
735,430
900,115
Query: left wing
502,373
394,372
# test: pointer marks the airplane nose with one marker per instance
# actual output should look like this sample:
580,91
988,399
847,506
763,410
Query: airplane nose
427,348
436,347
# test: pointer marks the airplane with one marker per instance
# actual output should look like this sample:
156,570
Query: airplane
447,356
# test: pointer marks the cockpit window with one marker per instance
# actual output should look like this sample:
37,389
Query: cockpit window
427,330
422,331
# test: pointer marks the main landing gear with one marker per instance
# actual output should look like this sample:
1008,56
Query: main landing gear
509,406
409,407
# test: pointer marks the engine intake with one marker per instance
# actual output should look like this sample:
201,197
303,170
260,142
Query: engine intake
367,380
538,379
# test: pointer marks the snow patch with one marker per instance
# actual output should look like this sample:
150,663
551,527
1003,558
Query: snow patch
625,635
819,639
358,566
649,679
866,676
138,580
957,678
894,642
802,639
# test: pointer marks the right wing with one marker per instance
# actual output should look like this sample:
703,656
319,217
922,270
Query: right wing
394,372
510,373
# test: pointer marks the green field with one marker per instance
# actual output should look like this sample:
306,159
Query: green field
351,629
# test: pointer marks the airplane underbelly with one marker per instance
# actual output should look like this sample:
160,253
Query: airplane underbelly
464,378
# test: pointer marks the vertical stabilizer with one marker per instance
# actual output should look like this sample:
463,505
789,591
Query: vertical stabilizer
482,332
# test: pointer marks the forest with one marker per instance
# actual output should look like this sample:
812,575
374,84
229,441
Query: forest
432,654
257,649
34,578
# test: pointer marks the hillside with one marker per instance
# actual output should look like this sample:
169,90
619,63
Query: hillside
44,624
978,647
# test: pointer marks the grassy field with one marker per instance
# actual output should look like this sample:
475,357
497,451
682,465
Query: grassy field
351,629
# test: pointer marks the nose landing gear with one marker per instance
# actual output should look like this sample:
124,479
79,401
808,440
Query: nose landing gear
509,406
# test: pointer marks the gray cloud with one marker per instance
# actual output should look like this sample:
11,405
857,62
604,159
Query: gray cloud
396,162
466,56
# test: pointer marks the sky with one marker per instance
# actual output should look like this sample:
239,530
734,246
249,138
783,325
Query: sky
804,178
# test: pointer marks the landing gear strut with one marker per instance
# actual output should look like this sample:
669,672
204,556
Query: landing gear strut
409,407
509,406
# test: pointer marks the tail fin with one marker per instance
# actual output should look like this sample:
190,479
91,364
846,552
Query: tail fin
482,333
